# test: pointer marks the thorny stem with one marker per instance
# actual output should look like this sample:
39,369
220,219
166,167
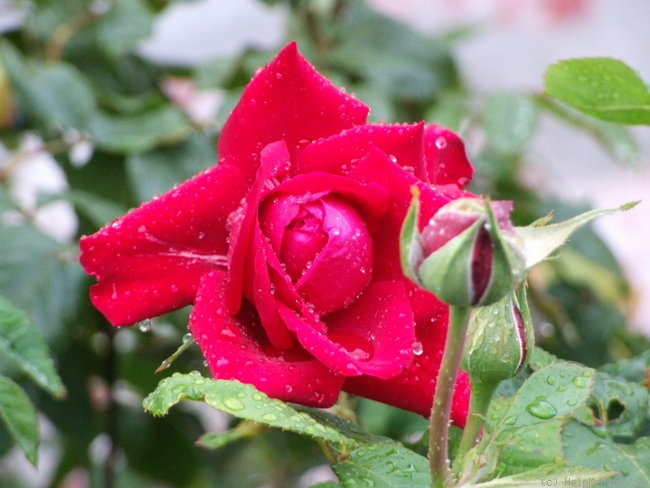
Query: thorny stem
440,413
481,396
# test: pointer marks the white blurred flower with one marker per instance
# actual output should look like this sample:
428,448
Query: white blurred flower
35,174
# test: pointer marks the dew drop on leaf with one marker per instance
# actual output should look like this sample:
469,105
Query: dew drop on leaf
541,409
233,404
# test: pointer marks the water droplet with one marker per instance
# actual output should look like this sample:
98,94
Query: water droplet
188,338
572,403
145,326
541,409
579,382
510,420
233,404
418,348
269,417
551,380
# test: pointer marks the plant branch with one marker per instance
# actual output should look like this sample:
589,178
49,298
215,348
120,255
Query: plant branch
440,413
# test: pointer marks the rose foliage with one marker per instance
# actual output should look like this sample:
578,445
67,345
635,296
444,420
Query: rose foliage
289,247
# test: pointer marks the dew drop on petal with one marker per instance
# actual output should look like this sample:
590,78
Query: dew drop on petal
145,326
418,348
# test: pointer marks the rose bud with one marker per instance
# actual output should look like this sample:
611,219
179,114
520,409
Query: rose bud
466,254
500,339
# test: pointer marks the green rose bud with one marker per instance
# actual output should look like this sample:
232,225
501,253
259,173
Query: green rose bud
467,254
500,339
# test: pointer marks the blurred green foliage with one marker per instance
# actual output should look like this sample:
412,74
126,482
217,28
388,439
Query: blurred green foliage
70,72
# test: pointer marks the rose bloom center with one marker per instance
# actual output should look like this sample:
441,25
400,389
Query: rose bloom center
323,244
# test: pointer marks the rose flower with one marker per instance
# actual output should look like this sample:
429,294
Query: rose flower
289,248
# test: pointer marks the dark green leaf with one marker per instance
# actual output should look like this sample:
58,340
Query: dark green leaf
19,416
22,343
40,276
240,400
98,210
53,94
604,88
634,370
584,447
384,465
158,171
139,133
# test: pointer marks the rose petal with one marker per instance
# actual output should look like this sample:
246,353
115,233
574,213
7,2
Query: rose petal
235,348
181,234
373,336
343,268
242,222
447,161
287,100
413,390
402,143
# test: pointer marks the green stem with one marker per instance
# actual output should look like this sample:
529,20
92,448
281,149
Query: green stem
482,393
442,400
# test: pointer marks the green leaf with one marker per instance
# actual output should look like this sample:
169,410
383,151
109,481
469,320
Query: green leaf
53,94
604,88
217,440
40,276
384,465
158,171
634,369
540,241
240,400
22,343
139,133
98,210
344,426
551,475
126,24
510,120
582,446
19,415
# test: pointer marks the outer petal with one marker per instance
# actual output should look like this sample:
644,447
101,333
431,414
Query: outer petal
447,162
150,261
373,336
402,143
235,348
414,389
287,100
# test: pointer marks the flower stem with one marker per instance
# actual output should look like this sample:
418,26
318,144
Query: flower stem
443,398
482,393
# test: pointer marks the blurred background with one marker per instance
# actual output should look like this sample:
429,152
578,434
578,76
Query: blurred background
106,103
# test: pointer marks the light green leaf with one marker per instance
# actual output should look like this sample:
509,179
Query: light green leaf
510,121
216,440
22,343
124,25
240,400
551,475
18,414
53,94
604,88
539,242
139,133
384,465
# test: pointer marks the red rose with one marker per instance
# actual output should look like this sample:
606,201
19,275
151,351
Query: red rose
289,248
